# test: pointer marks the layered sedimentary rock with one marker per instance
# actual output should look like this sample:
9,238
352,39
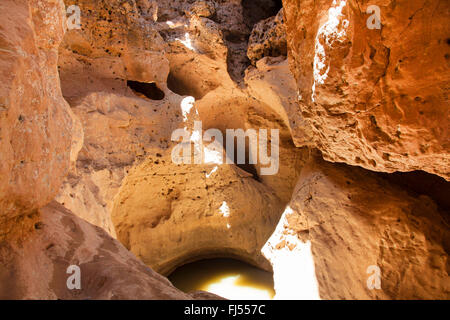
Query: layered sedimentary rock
344,222
35,120
378,97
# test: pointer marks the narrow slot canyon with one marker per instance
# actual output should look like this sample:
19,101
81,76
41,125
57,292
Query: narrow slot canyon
224,149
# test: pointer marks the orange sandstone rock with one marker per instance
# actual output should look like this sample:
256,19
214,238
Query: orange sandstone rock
345,221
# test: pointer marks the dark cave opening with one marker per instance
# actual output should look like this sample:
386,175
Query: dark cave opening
246,165
257,10
149,90
250,168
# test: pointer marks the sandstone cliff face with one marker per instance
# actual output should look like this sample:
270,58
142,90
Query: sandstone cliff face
376,98
342,220
116,49
35,120
270,81
169,215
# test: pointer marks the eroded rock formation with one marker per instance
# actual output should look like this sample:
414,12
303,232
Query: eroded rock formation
344,220
87,117
124,169
36,268
268,38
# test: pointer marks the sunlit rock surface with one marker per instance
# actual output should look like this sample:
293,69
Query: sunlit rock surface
124,179
292,262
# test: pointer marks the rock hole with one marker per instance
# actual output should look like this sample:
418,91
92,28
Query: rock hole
149,90
38,225
250,168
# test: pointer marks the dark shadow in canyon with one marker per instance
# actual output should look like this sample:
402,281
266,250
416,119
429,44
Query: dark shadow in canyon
187,87
246,166
423,183
230,277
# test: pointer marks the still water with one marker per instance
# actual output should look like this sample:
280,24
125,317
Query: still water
228,278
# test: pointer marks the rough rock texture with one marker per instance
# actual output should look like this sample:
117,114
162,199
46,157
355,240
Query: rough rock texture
118,131
353,219
272,83
268,39
215,29
37,268
376,98
169,214
35,121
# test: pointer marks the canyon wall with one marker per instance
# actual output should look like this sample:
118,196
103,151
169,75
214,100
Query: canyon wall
169,214
37,268
35,120
375,98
